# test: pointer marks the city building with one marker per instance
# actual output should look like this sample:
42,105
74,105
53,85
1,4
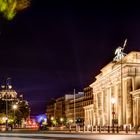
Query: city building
12,107
50,111
59,108
88,96
116,93
74,109
68,107
88,105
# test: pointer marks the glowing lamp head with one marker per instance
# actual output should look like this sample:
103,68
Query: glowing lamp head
14,107
61,119
113,100
52,118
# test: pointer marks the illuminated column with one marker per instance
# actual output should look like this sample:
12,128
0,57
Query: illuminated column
133,83
86,116
109,106
116,100
129,102
96,109
103,111
134,112
119,105
136,109
137,121
124,101
100,107
90,116
106,106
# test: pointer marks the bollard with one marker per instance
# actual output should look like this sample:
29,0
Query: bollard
91,128
126,129
108,129
99,129
84,128
136,129
78,128
113,129
117,129
70,128
96,128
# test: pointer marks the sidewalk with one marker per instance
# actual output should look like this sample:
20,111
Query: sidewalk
93,132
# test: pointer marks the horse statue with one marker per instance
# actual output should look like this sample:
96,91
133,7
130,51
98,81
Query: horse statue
119,52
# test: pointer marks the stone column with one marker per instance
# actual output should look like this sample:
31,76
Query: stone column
124,98
119,104
86,121
95,103
105,107
109,107
136,108
134,112
103,111
99,97
129,108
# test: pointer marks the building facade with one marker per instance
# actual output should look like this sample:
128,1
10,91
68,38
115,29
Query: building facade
68,107
88,105
59,108
74,111
50,111
119,80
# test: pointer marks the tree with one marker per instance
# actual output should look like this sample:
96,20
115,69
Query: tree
9,8
22,112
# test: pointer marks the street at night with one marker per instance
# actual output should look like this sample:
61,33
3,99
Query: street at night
69,70
67,137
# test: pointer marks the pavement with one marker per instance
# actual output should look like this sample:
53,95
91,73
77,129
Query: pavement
63,135
31,131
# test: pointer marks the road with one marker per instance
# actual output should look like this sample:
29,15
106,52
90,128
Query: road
33,136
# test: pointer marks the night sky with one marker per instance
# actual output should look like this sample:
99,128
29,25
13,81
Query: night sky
53,47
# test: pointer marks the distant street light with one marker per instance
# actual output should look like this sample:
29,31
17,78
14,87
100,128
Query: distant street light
61,119
14,108
113,113
52,118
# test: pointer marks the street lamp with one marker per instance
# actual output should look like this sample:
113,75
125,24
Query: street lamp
113,113
14,108
52,118
7,87
61,120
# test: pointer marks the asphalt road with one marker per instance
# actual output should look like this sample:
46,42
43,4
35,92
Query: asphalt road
35,136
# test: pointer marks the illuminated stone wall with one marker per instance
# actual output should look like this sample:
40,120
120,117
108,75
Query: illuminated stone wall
119,80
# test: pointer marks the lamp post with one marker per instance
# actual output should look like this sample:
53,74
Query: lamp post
14,108
118,58
74,116
7,87
61,120
52,121
113,113
6,123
